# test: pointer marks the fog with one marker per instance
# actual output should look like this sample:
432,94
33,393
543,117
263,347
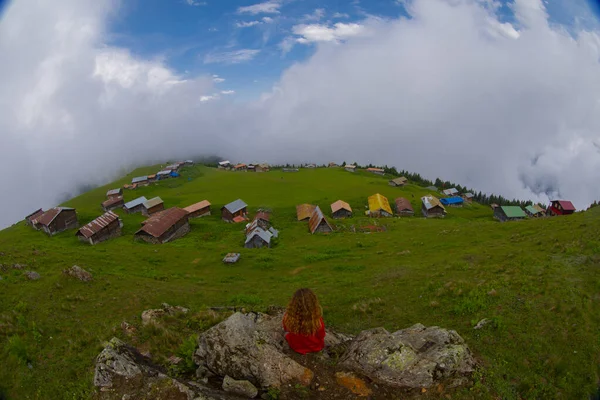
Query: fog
452,92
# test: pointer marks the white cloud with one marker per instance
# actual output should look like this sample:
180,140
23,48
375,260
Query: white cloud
268,7
195,3
267,20
208,97
246,24
231,57
317,15
340,15
323,33
217,79
227,92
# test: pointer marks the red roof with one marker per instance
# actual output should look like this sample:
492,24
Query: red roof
112,201
566,205
98,224
49,216
158,225
239,218
34,215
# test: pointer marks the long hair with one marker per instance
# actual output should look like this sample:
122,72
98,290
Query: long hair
303,313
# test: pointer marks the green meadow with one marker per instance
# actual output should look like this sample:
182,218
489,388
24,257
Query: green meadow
537,281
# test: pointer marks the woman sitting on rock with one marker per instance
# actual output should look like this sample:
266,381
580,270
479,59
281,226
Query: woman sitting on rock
303,323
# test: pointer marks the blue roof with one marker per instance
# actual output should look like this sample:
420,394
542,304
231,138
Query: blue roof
174,174
136,202
451,200
139,179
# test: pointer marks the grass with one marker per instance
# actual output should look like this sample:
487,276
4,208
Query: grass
537,280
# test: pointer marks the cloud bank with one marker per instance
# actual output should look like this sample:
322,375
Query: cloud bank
452,91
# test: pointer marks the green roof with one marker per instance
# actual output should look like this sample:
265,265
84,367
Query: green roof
514,212
532,210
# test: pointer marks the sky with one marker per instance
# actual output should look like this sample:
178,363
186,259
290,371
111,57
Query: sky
500,96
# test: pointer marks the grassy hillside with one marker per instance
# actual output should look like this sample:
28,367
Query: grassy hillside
537,280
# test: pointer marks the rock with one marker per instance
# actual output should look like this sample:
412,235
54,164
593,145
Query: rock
482,323
153,315
128,329
123,373
353,383
32,275
17,266
242,388
78,273
249,346
416,357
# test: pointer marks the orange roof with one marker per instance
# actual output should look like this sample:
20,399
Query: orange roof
197,206
239,218
240,166
304,211
338,205
157,226
378,202
153,176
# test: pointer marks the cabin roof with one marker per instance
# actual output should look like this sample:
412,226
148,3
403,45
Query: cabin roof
379,202
448,201
400,181
431,201
135,202
156,226
339,205
98,224
403,204
139,179
304,211
112,192
513,211
49,216
315,220
153,202
533,210
111,201
258,231
235,206
197,206
566,205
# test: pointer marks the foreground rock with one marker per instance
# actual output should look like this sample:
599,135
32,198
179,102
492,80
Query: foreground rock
32,275
153,316
242,388
416,357
123,373
78,273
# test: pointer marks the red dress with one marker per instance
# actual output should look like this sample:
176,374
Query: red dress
306,343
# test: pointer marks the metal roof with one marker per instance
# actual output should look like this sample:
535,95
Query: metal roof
338,205
112,201
152,176
49,216
451,201
263,215
469,195
403,204
400,181
315,220
378,202
264,235
304,211
163,172
197,206
538,207
222,163
98,224
450,192
566,205
240,166
112,192
235,206
153,202
431,201
513,211
157,226
274,232
136,202
34,215
375,170
532,210
139,179
350,166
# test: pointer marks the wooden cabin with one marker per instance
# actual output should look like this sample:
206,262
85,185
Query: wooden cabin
468,197
533,212
350,168
200,209
262,168
561,207
450,192
341,209
318,223
258,238
376,171
165,226
332,165
105,227
263,220
140,181
29,219
304,211
403,207
111,194
135,206
509,213
235,211
113,203
455,201
56,220
379,206
432,207
152,206
224,165
398,182
240,167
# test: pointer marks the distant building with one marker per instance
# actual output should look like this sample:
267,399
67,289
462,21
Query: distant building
105,227
262,167
152,178
341,209
450,192
164,174
509,213
235,211
403,207
398,181
114,193
200,209
318,223
540,208
224,164
258,238
468,197
172,167
135,206
152,206
113,203
561,207
452,201
379,206
304,211
350,168
493,206
432,208
310,166
189,162
140,181
263,219
56,220
240,167
332,165
29,219
251,168
376,171
533,212
167,226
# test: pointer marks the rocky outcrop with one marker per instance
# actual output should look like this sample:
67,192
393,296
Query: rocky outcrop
123,373
153,316
416,357
249,346
78,273
242,388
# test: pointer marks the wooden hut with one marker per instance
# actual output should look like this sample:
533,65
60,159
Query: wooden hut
135,206
235,211
450,192
106,226
509,213
432,207
468,197
318,222
224,165
113,203
376,171
304,211
165,226
152,206
262,167
200,209
379,206
56,220
29,219
341,209
403,207
533,212
398,182
111,194
240,167
140,181
350,168
561,207
263,219
258,238
455,201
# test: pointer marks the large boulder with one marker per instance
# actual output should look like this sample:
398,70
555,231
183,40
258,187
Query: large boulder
249,347
123,373
416,357
78,273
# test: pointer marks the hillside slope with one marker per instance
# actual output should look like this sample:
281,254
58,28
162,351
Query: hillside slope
537,280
